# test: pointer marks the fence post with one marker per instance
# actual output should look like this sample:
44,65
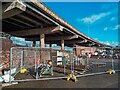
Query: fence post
21,63
72,62
10,64
112,60
36,66
51,59
64,62
112,64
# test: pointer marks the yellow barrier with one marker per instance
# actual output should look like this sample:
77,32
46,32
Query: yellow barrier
110,71
71,76
23,70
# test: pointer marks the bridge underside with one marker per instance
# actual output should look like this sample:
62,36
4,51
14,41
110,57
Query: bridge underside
29,20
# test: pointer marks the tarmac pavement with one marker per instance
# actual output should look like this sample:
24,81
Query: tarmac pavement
96,81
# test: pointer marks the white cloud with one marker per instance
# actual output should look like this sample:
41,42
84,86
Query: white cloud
113,43
112,28
116,27
112,19
107,42
96,38
106,28
94,18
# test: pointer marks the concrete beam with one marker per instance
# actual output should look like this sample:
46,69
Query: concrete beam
12,9
37,31
55,39
23,22
76,41
29,19
38,17
62,38
13,23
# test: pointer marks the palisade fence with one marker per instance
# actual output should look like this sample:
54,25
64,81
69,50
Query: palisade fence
47,63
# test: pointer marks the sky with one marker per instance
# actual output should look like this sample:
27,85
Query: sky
98,20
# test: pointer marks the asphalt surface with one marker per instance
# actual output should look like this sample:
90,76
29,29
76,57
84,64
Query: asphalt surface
97,81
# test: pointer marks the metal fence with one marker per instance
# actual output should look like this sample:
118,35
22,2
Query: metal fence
33,63
90,62
39,63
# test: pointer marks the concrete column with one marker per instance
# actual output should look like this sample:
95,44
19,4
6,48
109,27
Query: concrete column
42,40
62,44
74,45
34,43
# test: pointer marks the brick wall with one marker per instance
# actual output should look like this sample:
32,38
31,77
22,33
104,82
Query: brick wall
83,50
5,52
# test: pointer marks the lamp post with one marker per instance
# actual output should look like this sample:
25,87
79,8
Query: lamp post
88,24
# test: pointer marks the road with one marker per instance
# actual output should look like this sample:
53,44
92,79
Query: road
97,81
